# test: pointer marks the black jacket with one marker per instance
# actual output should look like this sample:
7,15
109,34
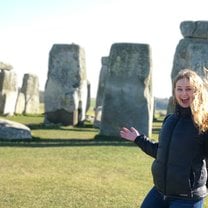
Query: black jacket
179,169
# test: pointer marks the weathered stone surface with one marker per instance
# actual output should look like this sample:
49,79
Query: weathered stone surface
30,88
97,118
101,82
171,106
100,92
62,117
20,103
191,51
128,99
13,130
194,29
8,92
4,66
67,87
88,95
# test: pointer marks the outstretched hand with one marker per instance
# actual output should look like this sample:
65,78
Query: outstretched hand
129,134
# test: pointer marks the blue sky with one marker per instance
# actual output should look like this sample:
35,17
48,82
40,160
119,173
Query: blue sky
29,28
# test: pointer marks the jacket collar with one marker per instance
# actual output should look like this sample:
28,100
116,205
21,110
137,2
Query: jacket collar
183,112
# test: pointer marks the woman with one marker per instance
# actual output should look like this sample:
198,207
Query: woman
179,169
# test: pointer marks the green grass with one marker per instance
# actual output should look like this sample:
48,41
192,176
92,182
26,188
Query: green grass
66,167
98,176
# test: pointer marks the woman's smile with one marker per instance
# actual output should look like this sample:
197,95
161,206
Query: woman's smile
184,92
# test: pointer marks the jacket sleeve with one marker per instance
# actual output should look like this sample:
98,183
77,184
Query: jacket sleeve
148,146
206,146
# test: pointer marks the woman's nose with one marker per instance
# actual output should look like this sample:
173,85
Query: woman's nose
184,92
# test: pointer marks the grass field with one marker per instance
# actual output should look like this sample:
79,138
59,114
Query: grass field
65,167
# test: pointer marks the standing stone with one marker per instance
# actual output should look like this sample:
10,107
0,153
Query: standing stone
20,103
98,116
100,92
101,82
88,96
66,89
30,89
8,92
5,66
191,51
128,99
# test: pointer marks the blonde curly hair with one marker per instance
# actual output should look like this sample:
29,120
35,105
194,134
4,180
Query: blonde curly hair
199,106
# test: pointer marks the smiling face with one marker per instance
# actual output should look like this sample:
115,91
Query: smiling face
184,92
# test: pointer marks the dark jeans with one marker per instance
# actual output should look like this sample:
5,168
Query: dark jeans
155,199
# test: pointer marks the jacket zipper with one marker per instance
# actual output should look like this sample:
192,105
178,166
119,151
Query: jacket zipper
167,157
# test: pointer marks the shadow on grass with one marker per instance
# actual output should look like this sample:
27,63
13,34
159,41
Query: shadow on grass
98,140
85,127
39,142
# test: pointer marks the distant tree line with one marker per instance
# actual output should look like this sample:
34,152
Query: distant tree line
161,103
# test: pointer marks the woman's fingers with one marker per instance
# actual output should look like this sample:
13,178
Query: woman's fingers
124,129
129,134
135,131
